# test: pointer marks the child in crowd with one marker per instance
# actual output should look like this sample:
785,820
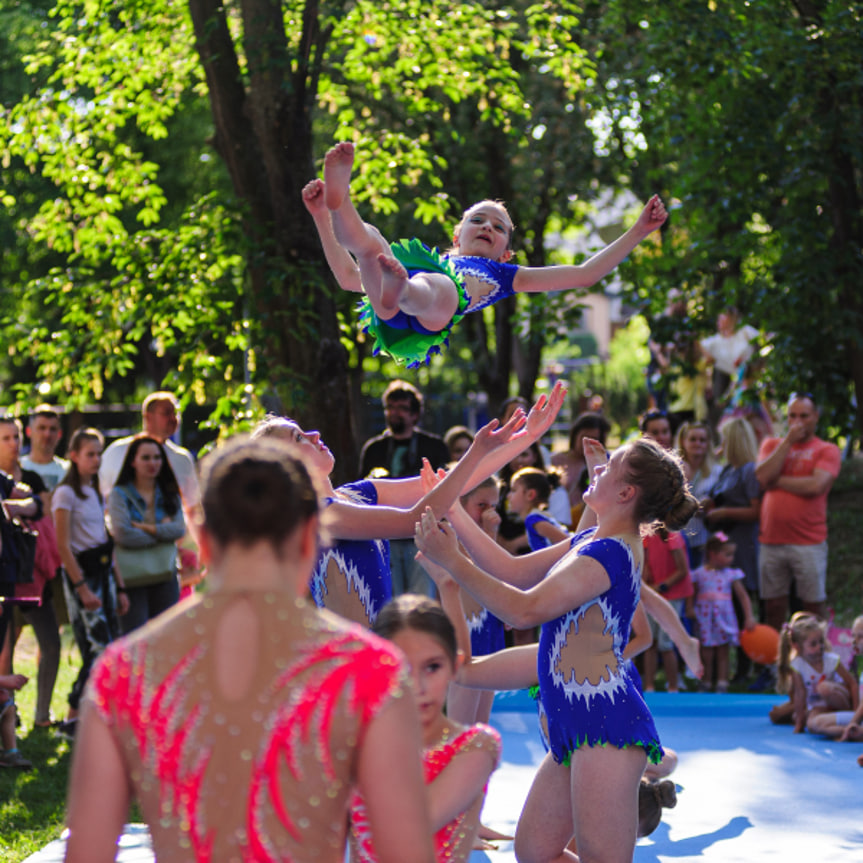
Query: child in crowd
666,569
10,755
844,724
457,760
817,680
414,295
529,493
715,582
86,552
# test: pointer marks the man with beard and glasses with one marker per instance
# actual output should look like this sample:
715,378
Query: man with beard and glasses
399,452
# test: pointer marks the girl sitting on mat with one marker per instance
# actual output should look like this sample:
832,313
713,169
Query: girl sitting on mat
817,680
414,296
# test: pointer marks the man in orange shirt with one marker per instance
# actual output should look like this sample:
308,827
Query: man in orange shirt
796,473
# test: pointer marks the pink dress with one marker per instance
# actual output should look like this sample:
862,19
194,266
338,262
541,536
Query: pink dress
714,607
454,841
262,777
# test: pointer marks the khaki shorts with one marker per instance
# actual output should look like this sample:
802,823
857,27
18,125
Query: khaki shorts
805,565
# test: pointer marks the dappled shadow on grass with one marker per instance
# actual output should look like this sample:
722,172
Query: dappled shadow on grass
34,796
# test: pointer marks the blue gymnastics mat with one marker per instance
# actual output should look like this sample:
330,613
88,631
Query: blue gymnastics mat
748,791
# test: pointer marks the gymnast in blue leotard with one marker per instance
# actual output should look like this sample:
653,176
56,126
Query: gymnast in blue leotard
584,593
414,295
352,576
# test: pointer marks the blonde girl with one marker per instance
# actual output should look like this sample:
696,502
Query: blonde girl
485,631
816,679
414,295
457,760
844,724
694,443
584,592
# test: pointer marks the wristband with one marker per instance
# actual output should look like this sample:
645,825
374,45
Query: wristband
77,584
663,588
121,589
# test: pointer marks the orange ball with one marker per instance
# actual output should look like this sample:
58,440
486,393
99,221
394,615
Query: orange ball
761,644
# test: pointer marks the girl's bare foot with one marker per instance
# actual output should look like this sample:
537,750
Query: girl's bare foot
394,280
313,196
860,760
337,173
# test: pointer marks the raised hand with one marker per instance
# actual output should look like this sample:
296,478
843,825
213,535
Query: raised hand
493,435
653,216
430,477
545,411
437,540
595,455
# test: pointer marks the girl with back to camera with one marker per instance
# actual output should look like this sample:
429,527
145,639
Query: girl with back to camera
584,593
815,677
413,295
243,720
146,516
457,760
485,631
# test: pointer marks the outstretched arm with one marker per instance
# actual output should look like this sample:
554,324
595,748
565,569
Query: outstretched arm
569,585
520,570
511,668
539,279
664,614
343,266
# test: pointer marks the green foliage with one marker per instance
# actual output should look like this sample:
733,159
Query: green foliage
620,380
753,116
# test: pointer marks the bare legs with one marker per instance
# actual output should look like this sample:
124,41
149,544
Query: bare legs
596,799
430,297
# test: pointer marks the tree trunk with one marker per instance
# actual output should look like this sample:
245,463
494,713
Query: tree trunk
264,135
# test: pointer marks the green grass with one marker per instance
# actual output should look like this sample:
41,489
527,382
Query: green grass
32,804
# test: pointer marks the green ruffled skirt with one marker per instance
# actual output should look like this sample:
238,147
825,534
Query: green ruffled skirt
406,345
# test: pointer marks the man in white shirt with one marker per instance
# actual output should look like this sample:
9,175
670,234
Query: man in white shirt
161,419
45,431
